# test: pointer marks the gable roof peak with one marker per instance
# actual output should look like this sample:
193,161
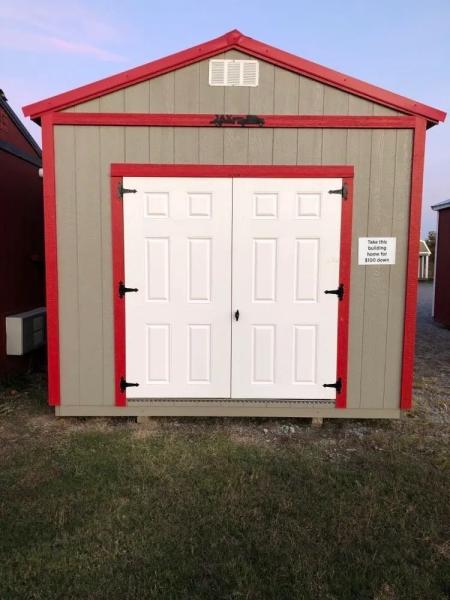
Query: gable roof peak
234,36
234,39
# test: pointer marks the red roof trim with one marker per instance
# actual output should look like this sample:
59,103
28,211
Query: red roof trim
234,40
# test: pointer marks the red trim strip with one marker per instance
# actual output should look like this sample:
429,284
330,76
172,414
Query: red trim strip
118,275
233,40
409,336
143,170
205,120
280,171
344,304
51,261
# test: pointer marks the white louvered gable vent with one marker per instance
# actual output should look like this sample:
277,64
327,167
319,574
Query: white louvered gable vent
234,72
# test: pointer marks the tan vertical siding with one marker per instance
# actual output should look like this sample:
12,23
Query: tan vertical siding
137,138
359,152
235,146
286,92
260,141
396,301
187,145
359,106
162,94
285,102
114,102
382,160
90,106
162,145
311,98
376,292
211,150
162,100
112,150
188,90
309,146
90,300
68,276
237,101
334,141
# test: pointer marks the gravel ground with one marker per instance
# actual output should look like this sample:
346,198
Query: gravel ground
432,366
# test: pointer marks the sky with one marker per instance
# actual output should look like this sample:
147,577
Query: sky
48,47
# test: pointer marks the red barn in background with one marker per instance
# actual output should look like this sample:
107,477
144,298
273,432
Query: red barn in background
441,304
21,245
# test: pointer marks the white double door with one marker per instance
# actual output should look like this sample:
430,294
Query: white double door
231,275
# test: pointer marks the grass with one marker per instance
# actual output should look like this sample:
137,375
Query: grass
219,508
228,509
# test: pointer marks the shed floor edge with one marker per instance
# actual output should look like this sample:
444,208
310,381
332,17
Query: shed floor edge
224,411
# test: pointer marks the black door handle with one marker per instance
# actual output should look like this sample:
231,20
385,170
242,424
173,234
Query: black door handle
236,315
339,292
124,290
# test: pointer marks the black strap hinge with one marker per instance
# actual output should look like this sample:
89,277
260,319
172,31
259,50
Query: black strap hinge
343,191
124,384
242,120
337,385
339,292
123,289
123,190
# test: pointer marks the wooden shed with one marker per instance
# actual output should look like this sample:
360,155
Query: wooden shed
424,260
22,312
232,230
441,295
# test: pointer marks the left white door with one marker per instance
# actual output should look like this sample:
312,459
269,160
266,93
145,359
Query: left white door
177,250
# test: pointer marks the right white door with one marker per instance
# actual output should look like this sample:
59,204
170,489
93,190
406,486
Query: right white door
286,246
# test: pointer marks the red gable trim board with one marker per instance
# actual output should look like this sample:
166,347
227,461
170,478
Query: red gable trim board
234,40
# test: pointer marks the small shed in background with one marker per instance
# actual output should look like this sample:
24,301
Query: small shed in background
22,299
424,260
441,302
232,230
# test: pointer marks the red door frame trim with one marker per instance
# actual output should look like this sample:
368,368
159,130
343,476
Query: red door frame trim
205,120
345,263
183,170
118,171
409,333
118,265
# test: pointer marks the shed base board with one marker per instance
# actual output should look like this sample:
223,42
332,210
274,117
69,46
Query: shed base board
223,410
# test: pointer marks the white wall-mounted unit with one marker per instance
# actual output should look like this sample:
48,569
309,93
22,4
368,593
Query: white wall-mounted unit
25,331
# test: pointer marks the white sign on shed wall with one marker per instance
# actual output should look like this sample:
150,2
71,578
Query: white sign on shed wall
376,251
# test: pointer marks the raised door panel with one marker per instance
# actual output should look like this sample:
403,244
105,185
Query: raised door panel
177,246
286,245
